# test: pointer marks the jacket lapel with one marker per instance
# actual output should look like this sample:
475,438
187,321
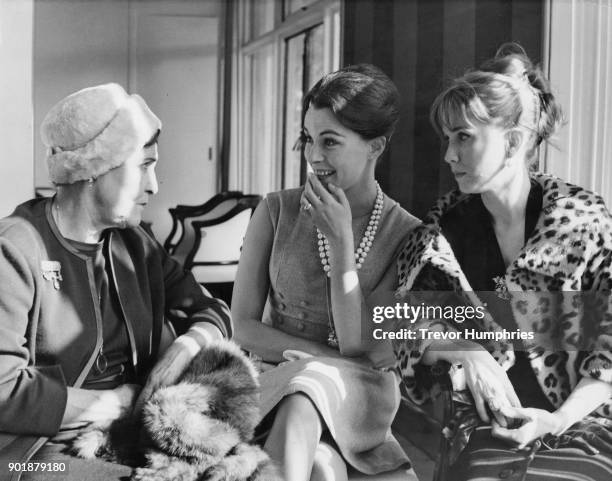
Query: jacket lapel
138,316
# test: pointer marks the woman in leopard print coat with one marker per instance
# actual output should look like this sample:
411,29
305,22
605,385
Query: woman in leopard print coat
531,256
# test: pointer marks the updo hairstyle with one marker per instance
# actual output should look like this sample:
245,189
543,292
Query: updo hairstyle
361,97
508,91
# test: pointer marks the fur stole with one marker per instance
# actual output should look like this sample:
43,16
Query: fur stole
197,429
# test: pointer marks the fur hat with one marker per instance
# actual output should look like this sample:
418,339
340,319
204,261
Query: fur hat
95,130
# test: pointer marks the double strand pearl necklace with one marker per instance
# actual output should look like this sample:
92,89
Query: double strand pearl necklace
366,241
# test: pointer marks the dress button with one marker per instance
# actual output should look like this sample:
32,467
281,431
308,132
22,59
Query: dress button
300,326
506,473
302,315
282,306
304,303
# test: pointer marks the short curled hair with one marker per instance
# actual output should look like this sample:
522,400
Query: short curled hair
507,90
361,97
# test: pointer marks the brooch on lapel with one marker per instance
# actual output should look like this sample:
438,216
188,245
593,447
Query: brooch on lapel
501,288
52,271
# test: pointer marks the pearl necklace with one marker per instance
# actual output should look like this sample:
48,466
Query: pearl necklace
366,241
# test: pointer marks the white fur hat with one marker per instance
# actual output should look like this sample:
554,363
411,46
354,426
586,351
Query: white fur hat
95,130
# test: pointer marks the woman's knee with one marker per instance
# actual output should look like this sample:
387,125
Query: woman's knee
328,465
298,406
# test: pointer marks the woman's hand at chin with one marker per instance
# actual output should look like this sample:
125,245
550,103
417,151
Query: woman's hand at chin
329,210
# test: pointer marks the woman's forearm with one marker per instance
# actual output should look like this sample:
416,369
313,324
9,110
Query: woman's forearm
203,333
270,343
587,396
78,402
350,313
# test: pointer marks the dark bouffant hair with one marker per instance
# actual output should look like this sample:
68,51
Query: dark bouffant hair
361,97
508,90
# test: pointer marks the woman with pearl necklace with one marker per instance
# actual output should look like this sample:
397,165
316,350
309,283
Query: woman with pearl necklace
315,261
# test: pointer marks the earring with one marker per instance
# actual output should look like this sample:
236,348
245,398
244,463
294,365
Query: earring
90,181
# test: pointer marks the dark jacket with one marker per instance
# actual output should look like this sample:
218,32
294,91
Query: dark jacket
50,321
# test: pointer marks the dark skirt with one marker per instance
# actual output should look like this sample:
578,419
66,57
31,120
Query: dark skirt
583,453
71,468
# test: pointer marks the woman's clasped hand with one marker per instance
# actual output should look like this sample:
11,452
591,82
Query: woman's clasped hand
530,424
489,385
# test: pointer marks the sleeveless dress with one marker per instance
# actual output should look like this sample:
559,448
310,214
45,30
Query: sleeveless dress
356,401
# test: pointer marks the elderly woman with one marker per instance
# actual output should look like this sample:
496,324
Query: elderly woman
315,261
85,289
535,252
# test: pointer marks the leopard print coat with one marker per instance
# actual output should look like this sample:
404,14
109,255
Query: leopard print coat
559,288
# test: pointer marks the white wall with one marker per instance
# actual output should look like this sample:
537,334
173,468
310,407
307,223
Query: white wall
77,44
16,165
580,70
80,43
173,65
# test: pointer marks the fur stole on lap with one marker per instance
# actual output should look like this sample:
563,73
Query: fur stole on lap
197,429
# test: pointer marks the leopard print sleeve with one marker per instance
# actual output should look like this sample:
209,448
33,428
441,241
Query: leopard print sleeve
430,276
598,364
430,287
420,283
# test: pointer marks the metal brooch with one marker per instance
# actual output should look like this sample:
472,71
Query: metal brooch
52,271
